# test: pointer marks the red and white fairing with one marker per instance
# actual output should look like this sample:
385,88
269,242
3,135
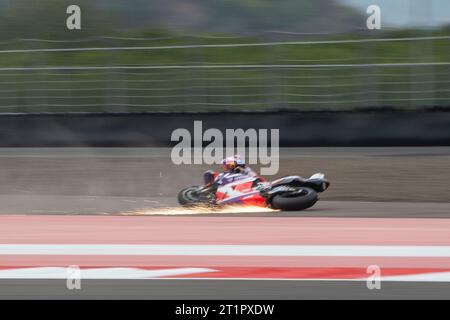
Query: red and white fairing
239,189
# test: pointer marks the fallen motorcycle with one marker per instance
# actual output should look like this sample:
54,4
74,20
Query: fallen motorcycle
287,194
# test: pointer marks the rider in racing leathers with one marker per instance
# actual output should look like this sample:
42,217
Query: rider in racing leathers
231,165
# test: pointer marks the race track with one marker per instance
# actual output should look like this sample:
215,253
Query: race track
263,255
129,244
220,289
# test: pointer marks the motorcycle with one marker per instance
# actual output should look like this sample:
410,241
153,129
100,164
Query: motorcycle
286,194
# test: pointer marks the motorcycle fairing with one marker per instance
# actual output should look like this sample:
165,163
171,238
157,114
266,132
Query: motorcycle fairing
240,191
316,182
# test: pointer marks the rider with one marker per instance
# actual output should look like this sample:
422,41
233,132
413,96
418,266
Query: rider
230,165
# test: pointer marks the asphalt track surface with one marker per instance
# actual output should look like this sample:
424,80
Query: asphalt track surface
49,206
326,152
220,289
356,174
271,230
167,206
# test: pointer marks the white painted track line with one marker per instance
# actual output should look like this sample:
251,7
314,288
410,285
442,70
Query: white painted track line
97,273
227,250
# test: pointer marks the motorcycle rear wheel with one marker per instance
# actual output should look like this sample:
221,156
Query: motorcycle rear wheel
287,202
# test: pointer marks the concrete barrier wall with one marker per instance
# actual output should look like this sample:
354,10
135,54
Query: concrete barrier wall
383,128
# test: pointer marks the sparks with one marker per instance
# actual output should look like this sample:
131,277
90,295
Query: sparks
198,210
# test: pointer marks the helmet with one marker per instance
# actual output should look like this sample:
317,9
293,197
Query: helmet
231,163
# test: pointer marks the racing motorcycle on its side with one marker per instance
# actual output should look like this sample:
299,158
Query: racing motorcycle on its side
287,194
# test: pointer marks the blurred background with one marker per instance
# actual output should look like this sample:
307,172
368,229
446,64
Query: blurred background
200,55
139,69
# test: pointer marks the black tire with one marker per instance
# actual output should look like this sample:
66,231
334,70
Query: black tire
186,196
290,203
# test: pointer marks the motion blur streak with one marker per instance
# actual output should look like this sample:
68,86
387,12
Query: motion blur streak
174,211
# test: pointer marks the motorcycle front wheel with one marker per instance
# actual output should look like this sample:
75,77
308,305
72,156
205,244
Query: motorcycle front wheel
295,201
188,196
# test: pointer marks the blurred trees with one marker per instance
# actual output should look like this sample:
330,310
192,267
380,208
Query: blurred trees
46,18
